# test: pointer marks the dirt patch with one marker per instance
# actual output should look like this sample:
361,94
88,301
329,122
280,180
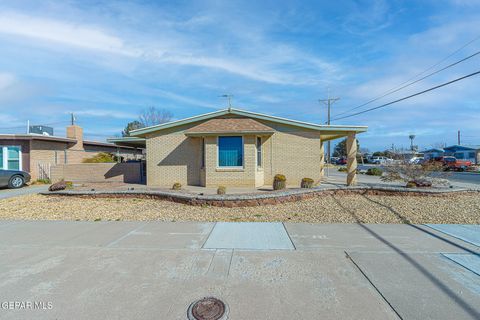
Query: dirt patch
328,208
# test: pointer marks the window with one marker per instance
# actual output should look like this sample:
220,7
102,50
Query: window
10,158
259,152
459,155
230,151
471,155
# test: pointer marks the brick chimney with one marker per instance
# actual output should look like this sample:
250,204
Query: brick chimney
75,132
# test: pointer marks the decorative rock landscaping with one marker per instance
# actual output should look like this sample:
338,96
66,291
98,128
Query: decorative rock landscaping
258,199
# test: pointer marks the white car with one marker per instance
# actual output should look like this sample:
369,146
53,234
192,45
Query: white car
380,160
416,160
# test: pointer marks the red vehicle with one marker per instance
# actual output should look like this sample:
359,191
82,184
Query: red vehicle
452,163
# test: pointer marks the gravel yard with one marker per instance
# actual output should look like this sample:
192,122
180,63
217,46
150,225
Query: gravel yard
463,209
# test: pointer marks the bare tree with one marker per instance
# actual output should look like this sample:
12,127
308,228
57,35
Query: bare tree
416,175
152,116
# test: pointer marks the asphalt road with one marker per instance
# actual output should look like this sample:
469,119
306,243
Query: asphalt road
155,270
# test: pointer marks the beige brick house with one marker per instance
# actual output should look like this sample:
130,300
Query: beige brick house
36,153
234,147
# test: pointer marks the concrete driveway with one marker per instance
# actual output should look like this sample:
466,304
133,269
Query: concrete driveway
154,270
9,193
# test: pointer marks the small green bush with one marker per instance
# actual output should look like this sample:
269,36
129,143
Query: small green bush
342,169
177,186
279,182
221,190
68,185
42,181
374,172
307,183
101,157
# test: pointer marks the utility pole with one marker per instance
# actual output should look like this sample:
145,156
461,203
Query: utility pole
458,137
328,102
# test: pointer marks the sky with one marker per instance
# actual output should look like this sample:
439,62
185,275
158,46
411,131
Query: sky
106,61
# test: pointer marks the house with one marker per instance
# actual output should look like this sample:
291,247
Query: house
237,148
461,152
36,153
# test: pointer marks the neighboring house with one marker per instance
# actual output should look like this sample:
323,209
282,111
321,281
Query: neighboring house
470,153
36,153
233,147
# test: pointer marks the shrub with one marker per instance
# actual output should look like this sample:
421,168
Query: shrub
306,183
42,181
342,169
68,185
416,175
374,172
279,182
221,190
101,157
177,186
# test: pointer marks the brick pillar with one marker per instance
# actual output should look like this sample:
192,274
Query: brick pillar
322,159
351,159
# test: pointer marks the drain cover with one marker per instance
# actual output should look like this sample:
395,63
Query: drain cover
207,309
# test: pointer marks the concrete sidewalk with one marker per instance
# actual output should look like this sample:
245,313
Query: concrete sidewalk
154,270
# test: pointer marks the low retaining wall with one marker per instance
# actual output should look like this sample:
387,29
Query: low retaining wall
128,172
252,200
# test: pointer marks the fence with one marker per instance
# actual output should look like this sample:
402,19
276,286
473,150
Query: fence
44,170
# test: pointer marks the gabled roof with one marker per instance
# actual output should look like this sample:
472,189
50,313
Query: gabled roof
230,125
254,115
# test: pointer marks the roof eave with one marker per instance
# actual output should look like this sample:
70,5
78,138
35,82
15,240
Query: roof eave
206,116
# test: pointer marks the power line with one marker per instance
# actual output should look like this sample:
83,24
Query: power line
407,82
410,96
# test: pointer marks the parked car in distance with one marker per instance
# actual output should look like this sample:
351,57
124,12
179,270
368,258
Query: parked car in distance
416,160
380,160
334,159
13,178
341,161
452,163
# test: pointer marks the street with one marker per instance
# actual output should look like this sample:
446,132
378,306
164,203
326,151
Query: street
155,270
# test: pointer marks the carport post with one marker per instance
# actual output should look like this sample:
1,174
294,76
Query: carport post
322,159
351,159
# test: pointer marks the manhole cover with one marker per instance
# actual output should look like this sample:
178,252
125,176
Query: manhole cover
208,309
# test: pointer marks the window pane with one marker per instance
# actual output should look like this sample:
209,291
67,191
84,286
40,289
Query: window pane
230,152
13,165
1,157
13,153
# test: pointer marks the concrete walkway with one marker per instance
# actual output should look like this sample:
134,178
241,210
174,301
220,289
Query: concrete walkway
154,270
10,193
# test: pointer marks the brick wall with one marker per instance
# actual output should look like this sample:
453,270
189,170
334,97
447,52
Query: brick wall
173,157
293,153
128,172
